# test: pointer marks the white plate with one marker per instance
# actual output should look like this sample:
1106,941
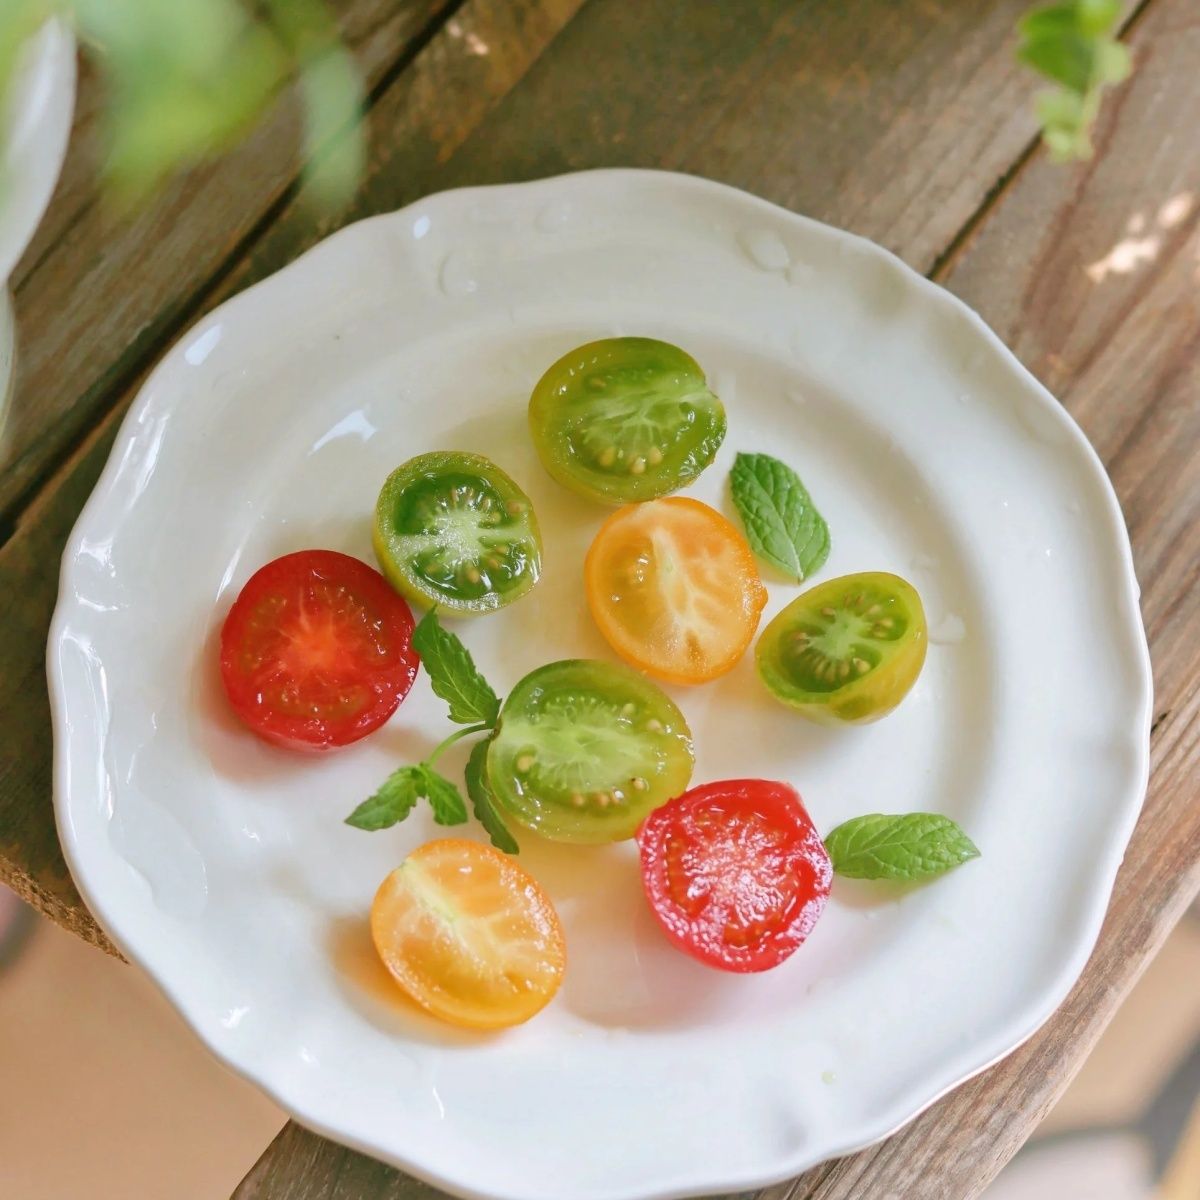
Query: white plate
32,144
222,866
35,139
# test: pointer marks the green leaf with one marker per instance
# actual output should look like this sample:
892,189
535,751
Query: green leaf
453,675
783,526
898,846
1066,58
394,800
444,798
483,800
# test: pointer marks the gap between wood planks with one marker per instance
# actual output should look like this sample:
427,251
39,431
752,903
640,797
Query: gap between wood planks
944,263
195,305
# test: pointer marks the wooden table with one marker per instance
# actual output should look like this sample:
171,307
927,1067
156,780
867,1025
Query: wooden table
907,122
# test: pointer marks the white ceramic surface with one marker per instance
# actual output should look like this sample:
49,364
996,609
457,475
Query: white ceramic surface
35,140
222,865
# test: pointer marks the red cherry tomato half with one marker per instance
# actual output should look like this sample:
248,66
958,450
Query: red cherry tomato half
317,651
735,872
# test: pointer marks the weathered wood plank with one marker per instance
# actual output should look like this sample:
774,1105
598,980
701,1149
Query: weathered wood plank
95,293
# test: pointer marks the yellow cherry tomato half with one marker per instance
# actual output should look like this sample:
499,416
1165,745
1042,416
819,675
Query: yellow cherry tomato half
674,589
469,935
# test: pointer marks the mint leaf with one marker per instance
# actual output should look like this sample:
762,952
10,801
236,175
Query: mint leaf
483,801
444,798
898,846
782,525
453,675
395,799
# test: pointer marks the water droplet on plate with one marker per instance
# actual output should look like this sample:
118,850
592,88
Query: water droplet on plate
553,216
457,277
948,631
765,248
1074,506
828,1077
924,562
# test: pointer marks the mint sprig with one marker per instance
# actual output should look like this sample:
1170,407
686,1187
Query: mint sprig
472,702
905,846
453,674
782,524
483,800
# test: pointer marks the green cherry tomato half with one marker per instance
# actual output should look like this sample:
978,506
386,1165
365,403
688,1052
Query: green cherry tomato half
625,419
847,650
454,530
586,749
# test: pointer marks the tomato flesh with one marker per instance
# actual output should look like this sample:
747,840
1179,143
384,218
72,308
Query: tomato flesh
452,529
735,872
586,749
846,651
674,588
469,935
316,651
625,419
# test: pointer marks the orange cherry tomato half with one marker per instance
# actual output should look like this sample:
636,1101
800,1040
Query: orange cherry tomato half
674,589
469,935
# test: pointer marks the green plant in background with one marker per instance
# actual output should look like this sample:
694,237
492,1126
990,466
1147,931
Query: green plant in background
1073,44
186,79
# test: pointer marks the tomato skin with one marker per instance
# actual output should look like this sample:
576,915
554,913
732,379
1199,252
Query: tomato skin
469,935
316,651
585,749
674,588
735,872
453,530
625,419
843,611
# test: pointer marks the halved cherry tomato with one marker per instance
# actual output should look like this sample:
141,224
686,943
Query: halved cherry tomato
674,588
469,935
586,749
625,419
316,651
454,530
735,872
847,650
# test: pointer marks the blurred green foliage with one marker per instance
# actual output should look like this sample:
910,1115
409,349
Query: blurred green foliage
186,79
1074,45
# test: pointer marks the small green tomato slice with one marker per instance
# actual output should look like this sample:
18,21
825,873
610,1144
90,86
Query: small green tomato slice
847,650
625,419
454,530
586,749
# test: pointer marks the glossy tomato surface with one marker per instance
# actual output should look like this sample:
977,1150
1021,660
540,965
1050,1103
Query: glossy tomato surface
625,419
585,749
316,651
453,529
469,934
674,588
846,651
735,872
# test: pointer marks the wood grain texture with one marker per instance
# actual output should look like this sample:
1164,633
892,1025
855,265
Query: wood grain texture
897,121
95,292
